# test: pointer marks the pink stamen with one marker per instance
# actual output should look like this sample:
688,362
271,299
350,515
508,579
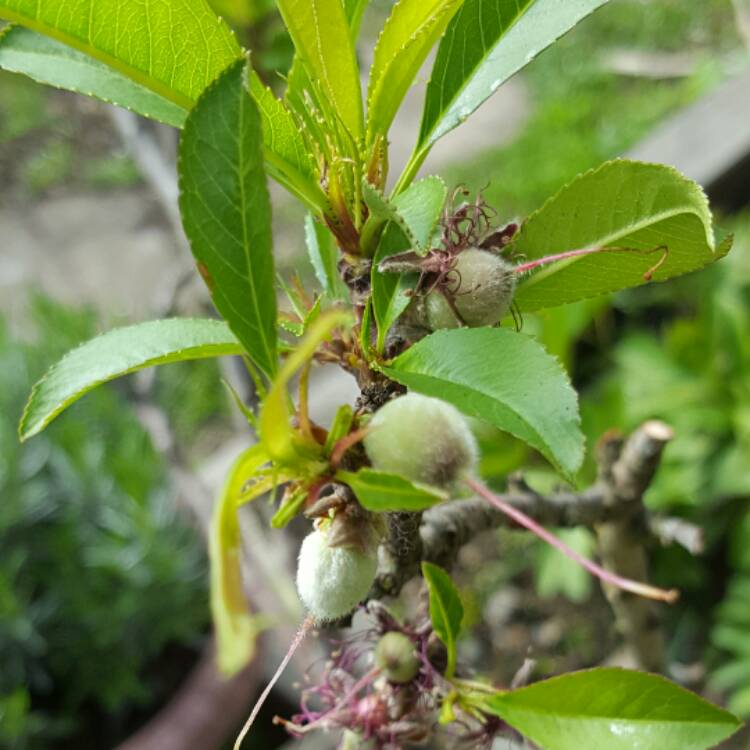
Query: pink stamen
359,685
316,722
626,584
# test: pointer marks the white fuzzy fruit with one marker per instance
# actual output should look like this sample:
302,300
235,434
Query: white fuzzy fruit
423,439
486,284
331,581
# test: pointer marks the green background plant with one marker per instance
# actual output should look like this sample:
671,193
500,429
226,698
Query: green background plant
87,511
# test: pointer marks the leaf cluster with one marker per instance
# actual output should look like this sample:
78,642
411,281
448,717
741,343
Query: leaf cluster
326,142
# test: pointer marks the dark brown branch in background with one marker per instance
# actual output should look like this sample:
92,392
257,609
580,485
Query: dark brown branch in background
448,527
203,712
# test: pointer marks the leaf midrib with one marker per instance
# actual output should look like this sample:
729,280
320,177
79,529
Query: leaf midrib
246,100
601,717
424,138
607,239
175,355
135,74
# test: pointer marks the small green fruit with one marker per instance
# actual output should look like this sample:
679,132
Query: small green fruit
331,581
423,439
395,656
483,295
438,312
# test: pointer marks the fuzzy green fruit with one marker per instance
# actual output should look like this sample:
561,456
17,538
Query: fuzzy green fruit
486,284
331,581
396,657
423,439
438,312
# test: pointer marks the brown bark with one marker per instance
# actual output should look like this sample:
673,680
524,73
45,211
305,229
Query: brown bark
625,472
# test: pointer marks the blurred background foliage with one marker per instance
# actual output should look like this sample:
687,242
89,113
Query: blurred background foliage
102,582
102,578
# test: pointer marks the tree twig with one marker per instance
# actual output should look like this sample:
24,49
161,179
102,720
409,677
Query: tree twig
613,506
400,555
626,469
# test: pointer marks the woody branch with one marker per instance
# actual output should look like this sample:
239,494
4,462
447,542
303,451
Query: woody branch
613,507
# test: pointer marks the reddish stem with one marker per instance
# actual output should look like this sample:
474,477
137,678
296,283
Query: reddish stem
343,445
647,276
532,264
626,584
295,644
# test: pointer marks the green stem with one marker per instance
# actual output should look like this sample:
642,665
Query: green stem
411,169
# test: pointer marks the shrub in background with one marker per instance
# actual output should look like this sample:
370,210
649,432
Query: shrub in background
99,574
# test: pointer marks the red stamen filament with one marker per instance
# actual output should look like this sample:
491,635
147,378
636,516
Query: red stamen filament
358,686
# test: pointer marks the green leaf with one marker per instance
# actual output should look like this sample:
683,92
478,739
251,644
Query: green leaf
226,211
614,709
290,507
485,44
643,208
320,32
314,114
119,352
421,206
446,610
382,211
173,48
354,10
235,627
379,491
340,427
284,148
416,210
365,333
504,378
414,215
390,291
407,38
56,64
294,296
324,256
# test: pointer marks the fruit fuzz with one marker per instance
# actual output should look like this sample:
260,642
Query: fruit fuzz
423,439
479,292
331,581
